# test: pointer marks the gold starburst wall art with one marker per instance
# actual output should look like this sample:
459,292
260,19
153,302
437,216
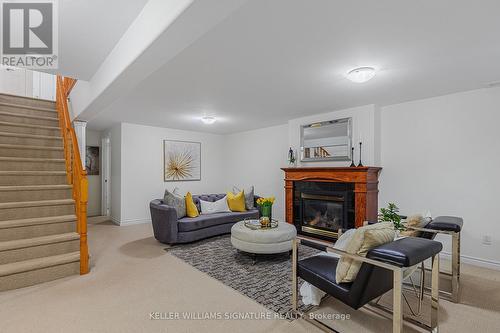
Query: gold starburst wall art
182,160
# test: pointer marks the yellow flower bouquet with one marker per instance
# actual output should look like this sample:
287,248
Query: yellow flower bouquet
265,201
266,206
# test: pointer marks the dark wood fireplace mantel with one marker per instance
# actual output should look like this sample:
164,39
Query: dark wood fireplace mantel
365,180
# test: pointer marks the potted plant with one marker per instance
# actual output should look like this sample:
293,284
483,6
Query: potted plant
391,214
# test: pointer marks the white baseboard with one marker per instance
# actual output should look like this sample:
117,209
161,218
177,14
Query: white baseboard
491,264
129,222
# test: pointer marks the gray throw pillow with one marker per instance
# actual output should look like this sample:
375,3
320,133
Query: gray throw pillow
249,196
176,201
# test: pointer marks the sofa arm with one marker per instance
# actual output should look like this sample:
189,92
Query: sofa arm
164,220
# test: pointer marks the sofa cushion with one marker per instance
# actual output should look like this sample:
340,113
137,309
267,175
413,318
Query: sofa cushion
209,207
205,221
177,201
249,196
191,209
236,202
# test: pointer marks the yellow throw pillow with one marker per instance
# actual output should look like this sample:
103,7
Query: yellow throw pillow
236,202
191,209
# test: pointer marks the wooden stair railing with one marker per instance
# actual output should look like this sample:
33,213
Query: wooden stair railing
76,174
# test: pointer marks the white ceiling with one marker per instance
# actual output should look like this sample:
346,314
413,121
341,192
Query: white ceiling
272,61
88,31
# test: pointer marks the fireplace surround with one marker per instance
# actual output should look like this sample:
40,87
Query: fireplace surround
321,200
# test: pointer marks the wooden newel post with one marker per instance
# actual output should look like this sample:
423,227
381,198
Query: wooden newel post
84,249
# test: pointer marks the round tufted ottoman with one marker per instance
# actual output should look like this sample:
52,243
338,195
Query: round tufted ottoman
276,240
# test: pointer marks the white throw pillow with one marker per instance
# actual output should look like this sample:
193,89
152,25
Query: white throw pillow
344,239
341,243
364,239
218,206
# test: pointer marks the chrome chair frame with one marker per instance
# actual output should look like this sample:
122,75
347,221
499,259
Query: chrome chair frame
454,295
397,310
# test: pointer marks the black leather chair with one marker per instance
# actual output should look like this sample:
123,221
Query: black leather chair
381,271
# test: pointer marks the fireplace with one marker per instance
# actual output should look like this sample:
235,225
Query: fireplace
319,201
321,209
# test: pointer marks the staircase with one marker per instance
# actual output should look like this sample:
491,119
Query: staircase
39,241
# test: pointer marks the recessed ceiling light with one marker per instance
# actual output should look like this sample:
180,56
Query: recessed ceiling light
208,120
361,74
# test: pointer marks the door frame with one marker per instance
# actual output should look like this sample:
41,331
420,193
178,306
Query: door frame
106,176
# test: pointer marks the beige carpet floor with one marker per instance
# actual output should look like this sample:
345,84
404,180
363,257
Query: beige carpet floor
133,276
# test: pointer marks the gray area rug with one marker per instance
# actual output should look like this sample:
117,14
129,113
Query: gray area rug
268,281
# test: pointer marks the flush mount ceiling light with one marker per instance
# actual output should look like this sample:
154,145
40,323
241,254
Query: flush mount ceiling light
361,74
208,120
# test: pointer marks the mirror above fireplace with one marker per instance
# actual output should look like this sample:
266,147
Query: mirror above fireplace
326,141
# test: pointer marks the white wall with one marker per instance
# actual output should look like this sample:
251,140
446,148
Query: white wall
93,138
16,81
255,158
142,168
28,83
443,154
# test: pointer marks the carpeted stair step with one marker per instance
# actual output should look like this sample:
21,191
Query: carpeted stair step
20,178
27,101
31,209
30,139
29,129
16,117
38,247
36,227
9,150
39,270
31,164
15,193
28,110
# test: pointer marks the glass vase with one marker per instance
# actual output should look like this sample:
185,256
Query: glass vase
267,211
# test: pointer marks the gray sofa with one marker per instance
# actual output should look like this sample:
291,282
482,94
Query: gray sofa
169,229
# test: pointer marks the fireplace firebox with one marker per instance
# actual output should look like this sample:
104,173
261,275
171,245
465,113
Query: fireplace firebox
321,209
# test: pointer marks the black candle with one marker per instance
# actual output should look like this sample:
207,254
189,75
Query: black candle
360,164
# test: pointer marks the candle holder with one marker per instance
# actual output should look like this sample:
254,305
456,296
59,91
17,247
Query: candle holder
352,158
291,158
360,164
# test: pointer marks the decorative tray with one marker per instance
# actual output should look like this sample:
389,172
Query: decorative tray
255,224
